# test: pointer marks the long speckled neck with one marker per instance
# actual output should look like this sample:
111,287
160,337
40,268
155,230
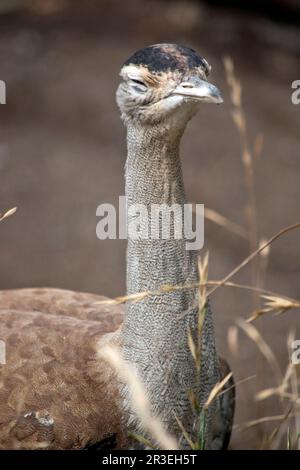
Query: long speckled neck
155,329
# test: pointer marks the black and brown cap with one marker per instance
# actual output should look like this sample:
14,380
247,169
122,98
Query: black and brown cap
168,57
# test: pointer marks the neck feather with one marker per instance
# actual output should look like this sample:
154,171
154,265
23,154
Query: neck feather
155,332
154,177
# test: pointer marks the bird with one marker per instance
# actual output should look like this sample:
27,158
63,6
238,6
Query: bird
56,391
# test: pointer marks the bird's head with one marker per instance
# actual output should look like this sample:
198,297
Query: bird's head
164,81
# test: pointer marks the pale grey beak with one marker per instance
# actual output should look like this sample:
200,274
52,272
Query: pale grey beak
200,90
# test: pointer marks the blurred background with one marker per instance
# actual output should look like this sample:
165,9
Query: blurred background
62,153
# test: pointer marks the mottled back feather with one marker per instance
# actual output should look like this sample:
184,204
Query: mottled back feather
54,391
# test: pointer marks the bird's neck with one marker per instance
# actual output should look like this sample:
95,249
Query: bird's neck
155,330
154,181
153,170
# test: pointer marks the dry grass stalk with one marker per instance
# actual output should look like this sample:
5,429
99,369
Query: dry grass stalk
262,264
224,282
282,389
258,145
287,376
139,401
256,422
238,115
195,343
268,393
127,298
236,384
279,304
203,276
276,431
263,347
185,434
168,288
249,258
8,213
287,389
232,341
279,391
274,304
226,223
194,350
266,252
248,162
215,392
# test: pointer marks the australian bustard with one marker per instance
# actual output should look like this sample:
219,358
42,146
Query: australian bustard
55,391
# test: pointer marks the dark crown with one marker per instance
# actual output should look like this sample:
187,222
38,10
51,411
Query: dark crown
163,57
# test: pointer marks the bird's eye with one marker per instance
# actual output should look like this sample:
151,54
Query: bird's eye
138,85
187,85
138,82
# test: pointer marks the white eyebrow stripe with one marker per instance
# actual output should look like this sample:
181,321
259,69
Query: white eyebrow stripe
135,77
132,72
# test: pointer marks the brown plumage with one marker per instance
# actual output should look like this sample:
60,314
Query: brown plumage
54,391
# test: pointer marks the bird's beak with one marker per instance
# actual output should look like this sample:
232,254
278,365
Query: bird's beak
199,90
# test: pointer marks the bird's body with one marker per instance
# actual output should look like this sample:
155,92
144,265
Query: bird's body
54,375
54,391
